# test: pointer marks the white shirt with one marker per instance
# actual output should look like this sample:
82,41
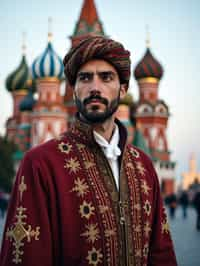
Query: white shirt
111,151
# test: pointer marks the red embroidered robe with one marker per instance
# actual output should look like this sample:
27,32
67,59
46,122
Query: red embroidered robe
65,208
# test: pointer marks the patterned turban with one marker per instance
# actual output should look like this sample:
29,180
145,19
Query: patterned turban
97,47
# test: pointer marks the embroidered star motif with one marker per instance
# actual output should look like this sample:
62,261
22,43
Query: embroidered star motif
147,229
86,210
64,147
134,152
165,227
137,207
73,165
109,232
130,165
80,146
145,187
147,207
80,187
92,233
94,256
103,209
140,168
137,228
88,164
138,253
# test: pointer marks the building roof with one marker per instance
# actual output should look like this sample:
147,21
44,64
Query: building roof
18,79
48,64
89,22
148,67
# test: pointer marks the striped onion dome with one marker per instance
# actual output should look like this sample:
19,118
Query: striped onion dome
48,64
18,79
148,67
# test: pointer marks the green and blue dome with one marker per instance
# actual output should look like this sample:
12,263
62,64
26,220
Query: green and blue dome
18,79
27,103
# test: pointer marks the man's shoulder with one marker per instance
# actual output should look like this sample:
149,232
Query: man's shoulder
137,153
48,148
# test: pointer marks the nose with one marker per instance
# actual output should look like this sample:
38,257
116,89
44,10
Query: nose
95,85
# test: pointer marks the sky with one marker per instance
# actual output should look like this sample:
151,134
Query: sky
174,42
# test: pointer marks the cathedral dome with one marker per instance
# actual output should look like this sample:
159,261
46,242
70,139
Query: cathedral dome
148,67
18,79
27,103
48,64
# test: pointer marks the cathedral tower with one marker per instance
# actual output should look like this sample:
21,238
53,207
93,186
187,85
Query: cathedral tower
151,116
49,117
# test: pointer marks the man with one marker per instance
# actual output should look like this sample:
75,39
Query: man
89,198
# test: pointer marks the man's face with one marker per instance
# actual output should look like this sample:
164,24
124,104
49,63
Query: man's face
97,91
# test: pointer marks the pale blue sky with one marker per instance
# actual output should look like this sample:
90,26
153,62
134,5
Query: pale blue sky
175,42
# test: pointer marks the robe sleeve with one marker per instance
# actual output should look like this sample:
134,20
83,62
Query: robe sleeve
27,236
161,246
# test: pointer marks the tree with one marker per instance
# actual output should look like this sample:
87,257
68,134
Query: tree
7,172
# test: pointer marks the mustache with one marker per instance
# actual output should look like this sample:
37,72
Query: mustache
95,97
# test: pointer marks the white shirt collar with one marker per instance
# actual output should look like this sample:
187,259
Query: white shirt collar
111,149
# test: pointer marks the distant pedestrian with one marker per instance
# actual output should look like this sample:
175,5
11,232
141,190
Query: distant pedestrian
172,203
3,204
196,203
184,202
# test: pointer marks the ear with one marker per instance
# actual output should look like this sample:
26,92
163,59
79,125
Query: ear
123,90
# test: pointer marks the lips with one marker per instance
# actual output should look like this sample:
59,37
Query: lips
95,99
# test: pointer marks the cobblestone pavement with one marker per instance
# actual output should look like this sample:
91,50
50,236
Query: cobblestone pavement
185,236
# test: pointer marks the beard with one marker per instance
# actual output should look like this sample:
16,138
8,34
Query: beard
94,116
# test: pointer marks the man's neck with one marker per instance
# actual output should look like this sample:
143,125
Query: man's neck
106,128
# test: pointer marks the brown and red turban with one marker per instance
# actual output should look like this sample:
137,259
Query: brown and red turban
97,47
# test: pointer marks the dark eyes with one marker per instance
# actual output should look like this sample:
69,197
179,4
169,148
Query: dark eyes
85,76
104,76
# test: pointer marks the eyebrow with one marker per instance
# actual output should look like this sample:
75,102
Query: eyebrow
107,72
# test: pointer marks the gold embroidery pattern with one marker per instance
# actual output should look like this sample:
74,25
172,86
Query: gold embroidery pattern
94,256
134,152
73,165
86,209
88,164
140,168
102,198
81,187
147,207
136,208
22,188
64,147
19,232
145,187
165,227
147,229
92,233
80,146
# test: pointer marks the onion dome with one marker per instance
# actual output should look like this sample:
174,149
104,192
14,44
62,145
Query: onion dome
27,103
17,80
127,100
148,66
48,64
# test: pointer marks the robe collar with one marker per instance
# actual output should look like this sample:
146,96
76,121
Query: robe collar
85,131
